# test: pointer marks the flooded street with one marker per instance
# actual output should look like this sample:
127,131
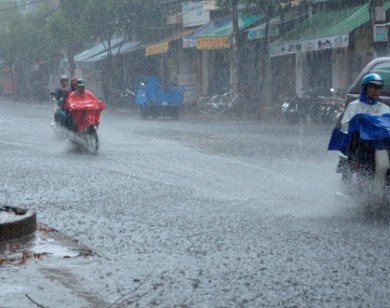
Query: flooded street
197,212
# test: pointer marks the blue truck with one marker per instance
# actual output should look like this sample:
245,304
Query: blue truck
154,101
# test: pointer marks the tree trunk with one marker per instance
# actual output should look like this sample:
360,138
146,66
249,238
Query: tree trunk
266,63
235,59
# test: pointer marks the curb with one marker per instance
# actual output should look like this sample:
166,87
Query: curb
24,224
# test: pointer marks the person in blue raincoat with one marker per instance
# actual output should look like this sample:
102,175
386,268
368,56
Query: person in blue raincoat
367,103
347,139
59,96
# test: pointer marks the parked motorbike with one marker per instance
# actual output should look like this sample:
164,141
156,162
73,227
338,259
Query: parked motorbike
364,159
298,109
122,98
313,108
332,108
127,98
80,124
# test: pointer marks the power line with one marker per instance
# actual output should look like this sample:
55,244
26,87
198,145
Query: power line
20,6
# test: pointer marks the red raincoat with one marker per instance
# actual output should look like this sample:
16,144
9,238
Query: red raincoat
84,108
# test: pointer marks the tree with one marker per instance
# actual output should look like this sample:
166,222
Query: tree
267,9
24,42
128,19
66,31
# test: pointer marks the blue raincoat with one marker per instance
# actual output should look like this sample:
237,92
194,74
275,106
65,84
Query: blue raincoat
373,129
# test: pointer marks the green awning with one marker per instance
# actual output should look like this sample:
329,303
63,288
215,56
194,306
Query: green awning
258,32
97,49
326,29
227,29
219,37
115,51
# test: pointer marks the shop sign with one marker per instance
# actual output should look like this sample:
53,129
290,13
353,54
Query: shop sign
156,49
189,84
379,14
8,86
317,44
213,42
380,33
259,32
189,42
193,14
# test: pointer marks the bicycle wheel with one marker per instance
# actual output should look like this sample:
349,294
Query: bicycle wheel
219,103
204,105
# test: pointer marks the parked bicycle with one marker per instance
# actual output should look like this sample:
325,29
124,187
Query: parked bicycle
219,103
206,104
234,103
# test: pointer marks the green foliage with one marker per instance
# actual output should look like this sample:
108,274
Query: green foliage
24,38
267,8
64,26
129,18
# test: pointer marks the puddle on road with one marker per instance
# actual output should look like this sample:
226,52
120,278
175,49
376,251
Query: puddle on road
52,248
46,243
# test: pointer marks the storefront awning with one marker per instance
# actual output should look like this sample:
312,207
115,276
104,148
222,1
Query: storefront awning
97,49
163,46
190,41
118,50
219,37
258,32
325,30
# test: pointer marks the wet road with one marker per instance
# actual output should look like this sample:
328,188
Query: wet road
198,212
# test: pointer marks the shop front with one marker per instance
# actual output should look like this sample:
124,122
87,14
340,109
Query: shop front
328,48
213,43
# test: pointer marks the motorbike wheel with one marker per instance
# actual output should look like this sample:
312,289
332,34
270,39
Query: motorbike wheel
174,112
315,112
144,112
92,140
291,113
333,114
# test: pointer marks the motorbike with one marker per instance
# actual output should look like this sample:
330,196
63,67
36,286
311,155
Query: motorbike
80,123
127,98
296,109
332,108
364,159
58,123
313,108
122,98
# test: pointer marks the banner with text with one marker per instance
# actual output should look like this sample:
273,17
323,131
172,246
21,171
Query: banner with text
339,41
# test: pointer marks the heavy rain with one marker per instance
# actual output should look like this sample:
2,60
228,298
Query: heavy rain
189,165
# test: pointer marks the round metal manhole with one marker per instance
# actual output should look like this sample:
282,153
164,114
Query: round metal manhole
16,222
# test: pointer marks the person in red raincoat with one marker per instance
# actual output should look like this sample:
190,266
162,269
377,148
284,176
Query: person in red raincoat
83,107
73,84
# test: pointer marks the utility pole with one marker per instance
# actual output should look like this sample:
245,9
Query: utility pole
234,43
379,31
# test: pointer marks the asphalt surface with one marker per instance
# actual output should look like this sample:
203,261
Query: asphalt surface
206,211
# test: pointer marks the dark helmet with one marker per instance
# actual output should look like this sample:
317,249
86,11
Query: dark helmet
73,81
64,78
373,79
81,82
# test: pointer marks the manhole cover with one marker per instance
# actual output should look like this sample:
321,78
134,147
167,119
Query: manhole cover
16,222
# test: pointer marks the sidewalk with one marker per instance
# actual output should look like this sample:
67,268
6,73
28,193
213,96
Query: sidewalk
43,270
